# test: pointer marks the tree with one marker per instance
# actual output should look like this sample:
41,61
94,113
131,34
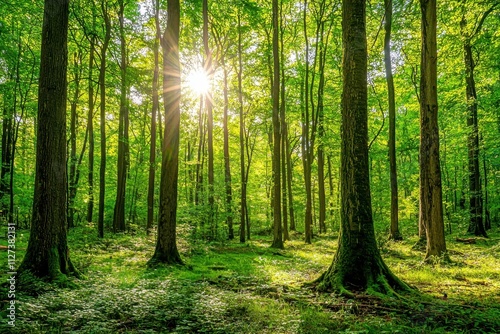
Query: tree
394,233
123,129
357,264
90,125
210,121
476,224
277,228
431,198
243,179
166,245
102,94
47,254
154,111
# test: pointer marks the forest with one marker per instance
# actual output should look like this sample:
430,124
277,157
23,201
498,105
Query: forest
250,166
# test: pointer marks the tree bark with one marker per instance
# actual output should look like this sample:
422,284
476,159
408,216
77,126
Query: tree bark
284,177
277,227
155,108
227,165
306,140
431,203
289,177
102,90
357,265
123,128
243,201
90,129
47,254
394,233
166,246
210,122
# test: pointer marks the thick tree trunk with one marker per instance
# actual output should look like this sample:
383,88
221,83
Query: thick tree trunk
102,90
166,246
47,254
394,233
123,156
357,265
277,227
431,203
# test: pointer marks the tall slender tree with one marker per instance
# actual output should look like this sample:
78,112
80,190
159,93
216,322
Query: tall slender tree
47,254
166,245
394,231
431,196
90,122
123,128
277,226
154,111
102,95
476,224
210,121
243,200
357,264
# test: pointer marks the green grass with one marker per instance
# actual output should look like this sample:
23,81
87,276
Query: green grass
228,287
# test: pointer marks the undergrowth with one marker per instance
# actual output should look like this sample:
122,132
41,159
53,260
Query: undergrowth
228,287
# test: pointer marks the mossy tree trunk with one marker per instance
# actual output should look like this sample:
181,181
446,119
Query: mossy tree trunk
431,204
47,254
357,265
166,245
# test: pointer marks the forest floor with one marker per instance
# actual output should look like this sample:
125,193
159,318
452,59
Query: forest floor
228,287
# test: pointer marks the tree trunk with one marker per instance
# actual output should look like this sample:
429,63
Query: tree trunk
227,165
476,224
90,129
5,171
75,160
166,246
156,106
102,90
357,265
283,131
306,140
243,201
487,219
72,142
210,122
289,177
277,227
394,233
431,204
123,156
47,254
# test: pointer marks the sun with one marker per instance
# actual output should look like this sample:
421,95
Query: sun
198,81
